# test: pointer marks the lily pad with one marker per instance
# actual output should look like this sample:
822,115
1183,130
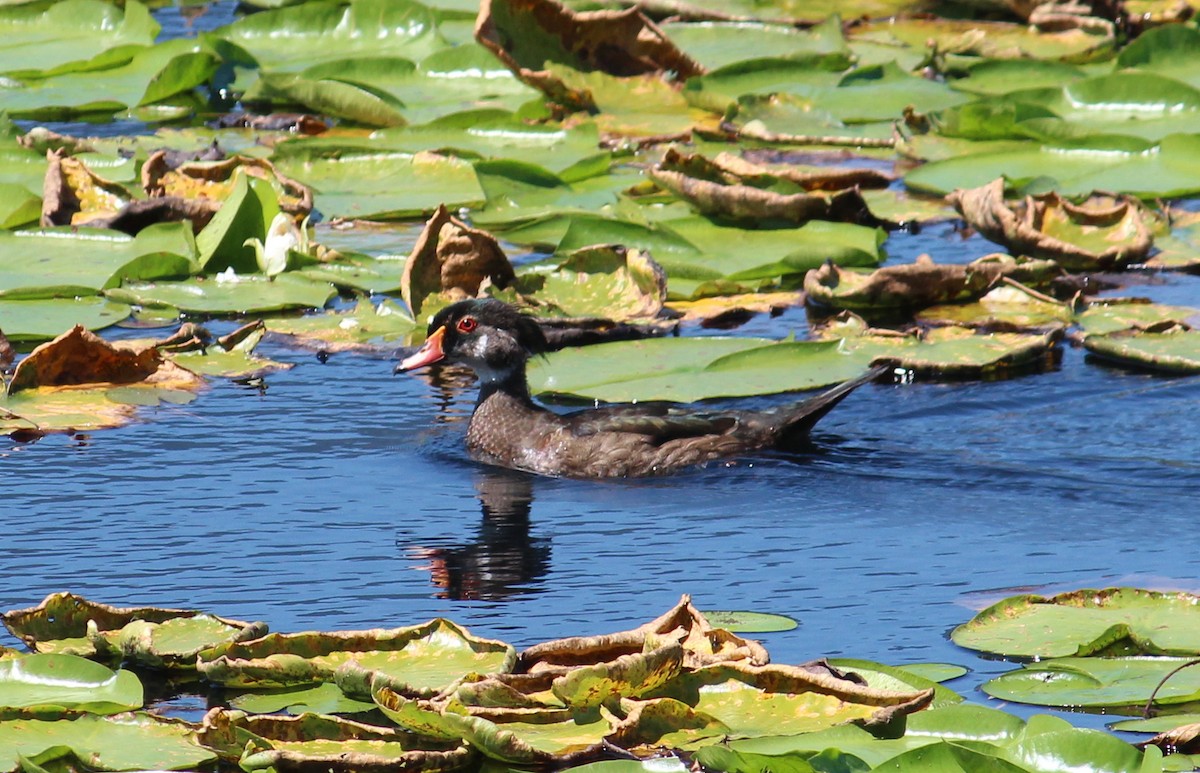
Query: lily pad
527,36
387,186
604,281
364,326
1098,683
1175,351
59,681
450,262
43,319
1104,316
1100,234
916,285
229,293
123,742
425,658
44,38
691,369
1004,308
780,700
750,622
325,698
150,636
1086,622
311,742
60,263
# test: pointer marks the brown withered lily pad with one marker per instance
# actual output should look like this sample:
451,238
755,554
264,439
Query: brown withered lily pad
72,193
919,284
318,743
683,623
810,177
1184,739
1101,233
526,35
150,636
452,261
423,658
82,357
714,190
211,182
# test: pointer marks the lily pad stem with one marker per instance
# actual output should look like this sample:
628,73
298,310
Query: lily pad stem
1146,711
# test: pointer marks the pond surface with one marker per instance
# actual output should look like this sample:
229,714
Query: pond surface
341,498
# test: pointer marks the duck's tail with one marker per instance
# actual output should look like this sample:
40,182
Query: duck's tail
800,418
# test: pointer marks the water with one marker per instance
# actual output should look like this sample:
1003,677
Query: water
341,498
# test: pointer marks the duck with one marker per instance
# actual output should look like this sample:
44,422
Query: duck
509,429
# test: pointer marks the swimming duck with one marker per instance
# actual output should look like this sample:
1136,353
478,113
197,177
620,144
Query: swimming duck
509,429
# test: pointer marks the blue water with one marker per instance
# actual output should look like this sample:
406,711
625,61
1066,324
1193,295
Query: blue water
340,498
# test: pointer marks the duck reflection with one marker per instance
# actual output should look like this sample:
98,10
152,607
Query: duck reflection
503,560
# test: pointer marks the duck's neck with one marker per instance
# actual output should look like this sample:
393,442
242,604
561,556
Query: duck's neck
510,382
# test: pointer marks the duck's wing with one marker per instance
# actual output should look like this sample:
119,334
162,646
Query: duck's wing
659,422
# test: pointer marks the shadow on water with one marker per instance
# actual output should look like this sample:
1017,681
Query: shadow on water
502,559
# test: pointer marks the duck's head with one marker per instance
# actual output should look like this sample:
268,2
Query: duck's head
488,336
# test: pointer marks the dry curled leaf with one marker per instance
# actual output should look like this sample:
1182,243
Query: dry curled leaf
452,258
527,34
81,357
919,284
210,182
715,190
72,193
1102,233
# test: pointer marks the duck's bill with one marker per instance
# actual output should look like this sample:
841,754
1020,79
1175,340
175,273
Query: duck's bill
430,352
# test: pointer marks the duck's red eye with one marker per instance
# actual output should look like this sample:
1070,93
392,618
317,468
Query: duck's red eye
467,324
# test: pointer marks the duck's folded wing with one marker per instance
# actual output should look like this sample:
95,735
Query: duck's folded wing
658,424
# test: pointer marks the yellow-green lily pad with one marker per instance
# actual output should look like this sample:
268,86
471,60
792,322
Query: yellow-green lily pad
135,741
423,658
150,636
1174,351
60,682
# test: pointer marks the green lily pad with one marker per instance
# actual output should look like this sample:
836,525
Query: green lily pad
236,361
1086,622
289,39
47,38
245,214
325,698
150,636
936,672
359,272
990,40
1157,724
229,293
328,96
45,318
387,186
1102,316
125,742
59,681
602,281
750,622
151,75
719,44
364,325
691,369
1098,683
424,658
18,206
1174,352
58,262
886,677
